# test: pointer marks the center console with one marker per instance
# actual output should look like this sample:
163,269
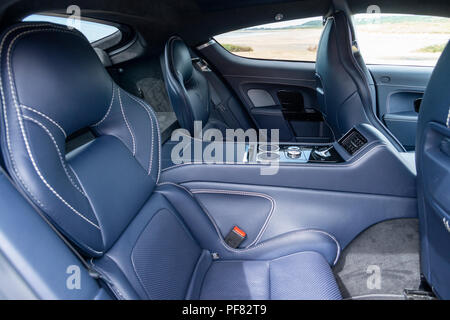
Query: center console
287,153
341,187
352,142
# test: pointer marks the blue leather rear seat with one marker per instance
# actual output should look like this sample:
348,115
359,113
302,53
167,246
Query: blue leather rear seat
148,240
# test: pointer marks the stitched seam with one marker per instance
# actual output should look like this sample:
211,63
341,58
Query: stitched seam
182,225
201,206
107,111
46,117
20,120
5,113
57,150
249,194
159,140
144,104
150,164
270,260
262,244
126,122
448,118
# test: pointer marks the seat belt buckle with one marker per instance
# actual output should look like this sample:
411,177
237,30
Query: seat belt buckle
235,237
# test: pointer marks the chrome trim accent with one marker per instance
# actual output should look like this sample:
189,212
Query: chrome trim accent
207,44
319,91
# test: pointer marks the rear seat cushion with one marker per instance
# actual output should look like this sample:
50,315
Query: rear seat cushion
164,245
300,276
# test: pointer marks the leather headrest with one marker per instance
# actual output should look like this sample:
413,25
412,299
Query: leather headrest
181,63
56,71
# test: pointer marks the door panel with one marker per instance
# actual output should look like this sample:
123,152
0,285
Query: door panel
398,87
277,94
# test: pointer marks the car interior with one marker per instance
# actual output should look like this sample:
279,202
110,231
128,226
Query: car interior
343,193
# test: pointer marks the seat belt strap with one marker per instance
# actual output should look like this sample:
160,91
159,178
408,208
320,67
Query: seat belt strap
224,112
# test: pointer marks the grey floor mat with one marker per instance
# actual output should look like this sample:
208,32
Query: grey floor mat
381,262
154,91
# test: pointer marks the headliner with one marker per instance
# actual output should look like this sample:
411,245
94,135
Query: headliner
198,20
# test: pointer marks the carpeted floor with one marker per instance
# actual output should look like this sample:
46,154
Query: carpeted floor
381,262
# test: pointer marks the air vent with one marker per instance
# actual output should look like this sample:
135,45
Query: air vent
353,141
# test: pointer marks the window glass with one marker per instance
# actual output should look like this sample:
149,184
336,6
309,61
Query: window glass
284,40
401,39
93,31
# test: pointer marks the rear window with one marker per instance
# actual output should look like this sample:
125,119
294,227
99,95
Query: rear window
93,31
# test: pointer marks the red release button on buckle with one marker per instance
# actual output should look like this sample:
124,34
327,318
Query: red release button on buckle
239,231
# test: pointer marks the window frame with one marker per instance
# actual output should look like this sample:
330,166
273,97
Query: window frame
125,34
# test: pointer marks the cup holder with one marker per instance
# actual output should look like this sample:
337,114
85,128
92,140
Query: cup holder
268,156
268,147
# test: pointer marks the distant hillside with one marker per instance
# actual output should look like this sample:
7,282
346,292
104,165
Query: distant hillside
398,19
314,24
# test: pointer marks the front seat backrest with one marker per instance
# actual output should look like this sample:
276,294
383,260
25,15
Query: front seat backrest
345,88
47,96
433,178
187,88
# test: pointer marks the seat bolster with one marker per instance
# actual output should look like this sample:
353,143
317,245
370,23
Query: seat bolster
209,237
311,240
113,276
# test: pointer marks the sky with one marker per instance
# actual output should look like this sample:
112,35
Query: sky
92,31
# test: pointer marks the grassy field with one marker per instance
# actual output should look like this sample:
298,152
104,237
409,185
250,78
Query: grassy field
403,42
236,48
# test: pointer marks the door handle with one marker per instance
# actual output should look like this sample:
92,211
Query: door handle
417,104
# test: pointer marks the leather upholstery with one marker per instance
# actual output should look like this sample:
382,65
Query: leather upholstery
433,178
37,254
282,278
148,241
345,88
36,126
187,88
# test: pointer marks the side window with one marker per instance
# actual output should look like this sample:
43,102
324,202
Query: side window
401,39
93,31
295,40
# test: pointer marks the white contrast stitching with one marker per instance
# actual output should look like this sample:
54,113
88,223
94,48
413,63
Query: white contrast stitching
109,108
159,140
246,193
5,113
46,117
262,244
20,120
145,105
57,150
150,164
200,204
126,122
